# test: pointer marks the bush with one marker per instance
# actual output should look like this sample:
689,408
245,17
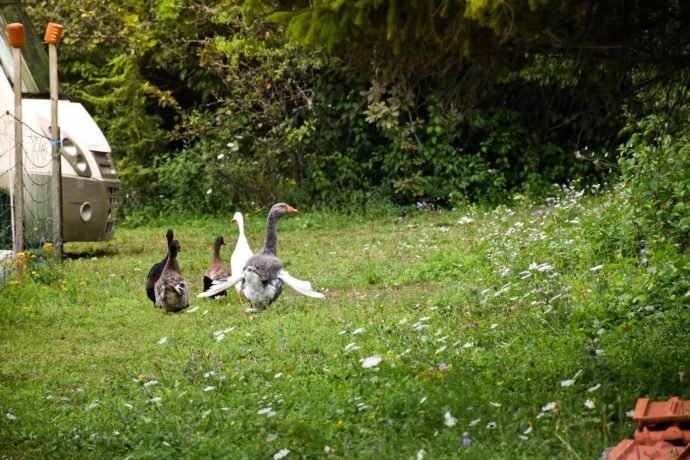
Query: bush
644,228
655,163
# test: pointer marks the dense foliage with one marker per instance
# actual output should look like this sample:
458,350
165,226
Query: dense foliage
418,101
656,166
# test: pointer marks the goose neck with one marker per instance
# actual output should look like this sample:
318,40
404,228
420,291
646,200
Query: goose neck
271,243
216,252
172,264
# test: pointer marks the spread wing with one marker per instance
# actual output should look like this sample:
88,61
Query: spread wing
222,284
301,286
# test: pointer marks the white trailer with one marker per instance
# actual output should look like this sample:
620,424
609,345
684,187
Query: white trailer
90,183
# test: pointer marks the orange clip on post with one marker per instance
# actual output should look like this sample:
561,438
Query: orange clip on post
15,34
53,33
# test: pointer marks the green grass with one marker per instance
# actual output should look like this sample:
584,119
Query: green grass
477,336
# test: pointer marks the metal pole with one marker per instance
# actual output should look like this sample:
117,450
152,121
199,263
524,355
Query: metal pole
15,33
52,37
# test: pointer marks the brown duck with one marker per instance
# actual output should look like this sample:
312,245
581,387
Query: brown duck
156,270
171,289
217,269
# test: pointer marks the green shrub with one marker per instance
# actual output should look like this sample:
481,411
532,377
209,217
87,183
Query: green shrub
656,164
643,230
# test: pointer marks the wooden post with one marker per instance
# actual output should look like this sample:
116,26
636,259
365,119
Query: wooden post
52,37
17,39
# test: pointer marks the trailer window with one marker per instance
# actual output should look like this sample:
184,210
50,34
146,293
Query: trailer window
35,78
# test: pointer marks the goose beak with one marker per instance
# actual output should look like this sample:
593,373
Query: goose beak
232,221
290,209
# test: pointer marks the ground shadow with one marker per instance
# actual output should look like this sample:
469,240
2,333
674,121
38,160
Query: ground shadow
87,253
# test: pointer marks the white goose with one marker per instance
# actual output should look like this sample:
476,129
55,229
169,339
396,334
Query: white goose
241,253
263,276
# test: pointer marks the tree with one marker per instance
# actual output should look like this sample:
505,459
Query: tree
424,37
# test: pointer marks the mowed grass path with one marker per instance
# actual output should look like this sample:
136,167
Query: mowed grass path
478,339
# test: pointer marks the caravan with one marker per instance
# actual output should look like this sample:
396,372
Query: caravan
90,183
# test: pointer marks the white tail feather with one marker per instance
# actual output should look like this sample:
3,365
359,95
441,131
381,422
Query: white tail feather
220,285
301,286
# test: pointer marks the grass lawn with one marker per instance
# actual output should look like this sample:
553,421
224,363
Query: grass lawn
453,334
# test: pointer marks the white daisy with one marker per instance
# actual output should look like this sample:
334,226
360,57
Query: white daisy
351,347
449,420
282,453
549,406
371,361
